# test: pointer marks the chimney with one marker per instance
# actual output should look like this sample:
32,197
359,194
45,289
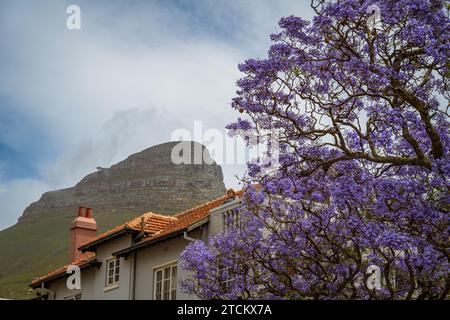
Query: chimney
84,229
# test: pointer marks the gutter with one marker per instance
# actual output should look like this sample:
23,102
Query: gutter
198,224
186,237
194,226
90,247
44,291
125,252
132,283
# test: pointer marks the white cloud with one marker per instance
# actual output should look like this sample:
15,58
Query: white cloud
126,80
126,132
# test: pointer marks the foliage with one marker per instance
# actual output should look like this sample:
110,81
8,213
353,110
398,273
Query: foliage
363,174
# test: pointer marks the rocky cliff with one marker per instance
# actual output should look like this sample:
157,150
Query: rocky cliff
147,180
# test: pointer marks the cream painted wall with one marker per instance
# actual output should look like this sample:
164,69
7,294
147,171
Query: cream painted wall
216,218
156,256
93,280
87,286
104,253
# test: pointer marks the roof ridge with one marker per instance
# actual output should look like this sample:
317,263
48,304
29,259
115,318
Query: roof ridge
225,196
151,213
127,224
199,212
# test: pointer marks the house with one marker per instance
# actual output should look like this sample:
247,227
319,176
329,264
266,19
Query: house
136,260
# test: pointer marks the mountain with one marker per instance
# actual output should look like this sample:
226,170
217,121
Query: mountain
145,181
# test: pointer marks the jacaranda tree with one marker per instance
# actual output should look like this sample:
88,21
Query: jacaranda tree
358,206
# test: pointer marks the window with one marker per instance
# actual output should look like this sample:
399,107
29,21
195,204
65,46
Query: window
74,297
226,278
226,272
112,272
165,283
231,219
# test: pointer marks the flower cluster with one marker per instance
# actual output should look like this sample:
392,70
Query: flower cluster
364,166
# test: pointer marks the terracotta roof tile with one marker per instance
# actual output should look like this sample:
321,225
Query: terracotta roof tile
85,260
153,223
193,215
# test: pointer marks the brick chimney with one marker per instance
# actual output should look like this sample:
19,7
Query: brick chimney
84,229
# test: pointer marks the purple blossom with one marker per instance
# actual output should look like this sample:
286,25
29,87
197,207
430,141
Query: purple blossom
364,161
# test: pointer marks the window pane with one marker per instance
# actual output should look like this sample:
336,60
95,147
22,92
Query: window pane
167,273
222,274
166,285
158,287
158,275
174,272
174,295
113,271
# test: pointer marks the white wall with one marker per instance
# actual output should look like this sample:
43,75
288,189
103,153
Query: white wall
156,256
87,286
104,253
93,280
216,219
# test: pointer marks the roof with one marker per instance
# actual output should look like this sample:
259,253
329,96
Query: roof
148,223
154,226
183,221
87,260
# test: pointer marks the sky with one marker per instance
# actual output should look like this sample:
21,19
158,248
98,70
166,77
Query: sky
135,73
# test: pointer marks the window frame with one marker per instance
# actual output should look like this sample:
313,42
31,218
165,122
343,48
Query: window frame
231,219
171,279
77,296
115,274
226,283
